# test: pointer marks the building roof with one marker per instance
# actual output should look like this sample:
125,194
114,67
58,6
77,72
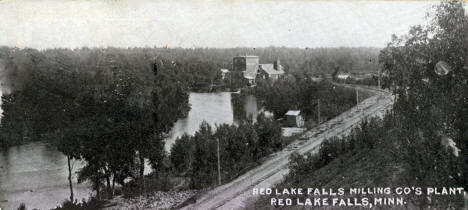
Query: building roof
224,70
293,112
269,69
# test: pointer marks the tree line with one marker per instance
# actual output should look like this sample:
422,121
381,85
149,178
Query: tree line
301,92
200,66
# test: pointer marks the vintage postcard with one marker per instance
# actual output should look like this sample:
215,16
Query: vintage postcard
233,104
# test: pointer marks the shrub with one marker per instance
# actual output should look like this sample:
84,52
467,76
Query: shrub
91,204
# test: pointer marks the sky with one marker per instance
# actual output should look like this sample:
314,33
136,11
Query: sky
194,23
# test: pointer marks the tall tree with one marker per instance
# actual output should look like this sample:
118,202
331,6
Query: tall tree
432,105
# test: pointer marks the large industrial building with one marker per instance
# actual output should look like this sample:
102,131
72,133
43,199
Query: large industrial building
246,69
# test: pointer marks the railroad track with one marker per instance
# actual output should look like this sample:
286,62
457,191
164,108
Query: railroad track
234,194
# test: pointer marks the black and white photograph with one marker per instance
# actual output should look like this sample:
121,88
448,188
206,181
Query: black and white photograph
233,104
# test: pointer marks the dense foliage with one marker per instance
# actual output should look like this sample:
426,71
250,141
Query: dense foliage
110,110
91,204
300,92
367,136
240,147
432,106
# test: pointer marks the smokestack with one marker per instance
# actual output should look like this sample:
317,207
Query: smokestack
277,64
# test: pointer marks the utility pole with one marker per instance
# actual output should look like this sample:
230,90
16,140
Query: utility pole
318,111
378,80
357,96
357,99
219,163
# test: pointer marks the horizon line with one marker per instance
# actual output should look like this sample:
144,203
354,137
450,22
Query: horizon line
179,47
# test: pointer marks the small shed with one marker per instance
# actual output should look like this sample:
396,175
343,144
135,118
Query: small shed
294,118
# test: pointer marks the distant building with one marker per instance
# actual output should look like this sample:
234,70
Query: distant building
244,68
342,75
271,71
293,118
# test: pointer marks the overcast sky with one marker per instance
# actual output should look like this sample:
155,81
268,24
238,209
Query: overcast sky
76,23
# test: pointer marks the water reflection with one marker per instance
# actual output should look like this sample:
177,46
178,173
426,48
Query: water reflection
36,173
250,107
214,108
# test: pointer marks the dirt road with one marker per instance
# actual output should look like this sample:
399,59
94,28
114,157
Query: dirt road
235,194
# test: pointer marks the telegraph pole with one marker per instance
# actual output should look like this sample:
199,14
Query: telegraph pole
378,80
357,99
219,164
357,96
318,111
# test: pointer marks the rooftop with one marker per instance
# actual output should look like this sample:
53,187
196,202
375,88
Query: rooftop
269,69
293,112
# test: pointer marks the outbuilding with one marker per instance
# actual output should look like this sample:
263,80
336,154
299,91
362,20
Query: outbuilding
293,118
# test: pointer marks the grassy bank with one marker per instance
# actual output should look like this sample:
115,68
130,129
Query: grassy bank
371,156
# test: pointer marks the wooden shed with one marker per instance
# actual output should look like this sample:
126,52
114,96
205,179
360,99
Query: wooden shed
293,118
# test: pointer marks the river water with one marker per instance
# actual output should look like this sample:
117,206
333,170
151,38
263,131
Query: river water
214,108
36,173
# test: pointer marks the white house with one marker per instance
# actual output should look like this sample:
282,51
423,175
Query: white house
271,71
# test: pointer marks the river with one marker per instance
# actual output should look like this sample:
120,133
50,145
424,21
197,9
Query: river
36,173
214,108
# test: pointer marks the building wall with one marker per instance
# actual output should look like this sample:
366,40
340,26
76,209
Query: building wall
252,63
240,64
294,121
237,79
299,121
237,75
291,121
